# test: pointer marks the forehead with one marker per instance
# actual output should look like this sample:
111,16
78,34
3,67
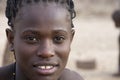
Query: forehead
43,14
42,11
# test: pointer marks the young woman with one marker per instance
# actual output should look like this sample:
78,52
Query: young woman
40,35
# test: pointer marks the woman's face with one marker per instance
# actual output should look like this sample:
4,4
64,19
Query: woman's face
42,40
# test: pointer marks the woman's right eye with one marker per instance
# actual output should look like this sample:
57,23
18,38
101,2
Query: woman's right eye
31,39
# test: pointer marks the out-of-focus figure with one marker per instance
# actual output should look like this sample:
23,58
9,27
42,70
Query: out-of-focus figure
116,19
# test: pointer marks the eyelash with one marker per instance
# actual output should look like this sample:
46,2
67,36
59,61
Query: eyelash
33,39
59,39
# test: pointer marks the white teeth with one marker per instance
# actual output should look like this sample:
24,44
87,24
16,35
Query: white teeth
49,67
45,67
42,67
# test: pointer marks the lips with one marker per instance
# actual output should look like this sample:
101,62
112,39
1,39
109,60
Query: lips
45,68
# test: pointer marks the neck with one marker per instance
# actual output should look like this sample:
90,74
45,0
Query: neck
19,74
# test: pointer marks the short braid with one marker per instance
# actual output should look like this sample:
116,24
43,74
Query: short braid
13,6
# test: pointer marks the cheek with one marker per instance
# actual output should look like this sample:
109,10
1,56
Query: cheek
24,52
64,51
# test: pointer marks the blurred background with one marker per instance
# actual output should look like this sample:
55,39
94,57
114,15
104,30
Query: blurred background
95,50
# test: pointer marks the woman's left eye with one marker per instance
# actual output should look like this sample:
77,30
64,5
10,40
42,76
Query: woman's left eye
59,39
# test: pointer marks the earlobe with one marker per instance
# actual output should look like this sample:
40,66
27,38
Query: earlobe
10,35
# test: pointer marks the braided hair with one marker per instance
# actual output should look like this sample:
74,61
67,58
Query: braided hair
13,7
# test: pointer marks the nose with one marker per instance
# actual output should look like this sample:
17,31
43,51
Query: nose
46,49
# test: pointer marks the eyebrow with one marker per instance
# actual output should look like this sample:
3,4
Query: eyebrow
38,32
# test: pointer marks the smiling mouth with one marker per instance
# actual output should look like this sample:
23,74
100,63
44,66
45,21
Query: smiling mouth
46,69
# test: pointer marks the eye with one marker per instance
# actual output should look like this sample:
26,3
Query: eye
31,39
59,39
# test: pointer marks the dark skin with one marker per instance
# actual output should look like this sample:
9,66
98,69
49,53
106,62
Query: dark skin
41,40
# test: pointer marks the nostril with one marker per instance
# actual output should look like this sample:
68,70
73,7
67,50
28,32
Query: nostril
45,53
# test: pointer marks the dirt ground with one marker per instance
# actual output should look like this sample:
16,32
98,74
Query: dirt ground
95,39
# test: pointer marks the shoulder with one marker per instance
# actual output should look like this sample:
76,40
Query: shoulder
70,75
6,72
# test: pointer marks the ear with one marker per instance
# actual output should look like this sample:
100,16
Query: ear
10,36
73,33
